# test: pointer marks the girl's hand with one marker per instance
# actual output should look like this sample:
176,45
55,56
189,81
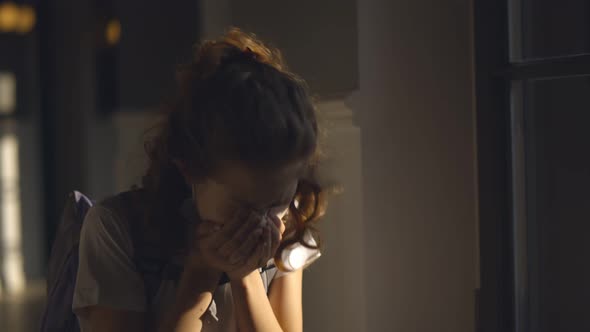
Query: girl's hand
242,245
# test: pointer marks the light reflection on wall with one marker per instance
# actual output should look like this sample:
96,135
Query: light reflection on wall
7,93
16,18
11,254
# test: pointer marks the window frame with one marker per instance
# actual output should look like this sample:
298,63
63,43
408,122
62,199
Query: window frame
502,303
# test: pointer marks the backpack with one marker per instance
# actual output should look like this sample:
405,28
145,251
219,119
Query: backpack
63,262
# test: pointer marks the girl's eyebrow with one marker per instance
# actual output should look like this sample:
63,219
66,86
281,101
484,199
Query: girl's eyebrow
253,206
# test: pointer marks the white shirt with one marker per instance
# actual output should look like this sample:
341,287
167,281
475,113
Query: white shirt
108,277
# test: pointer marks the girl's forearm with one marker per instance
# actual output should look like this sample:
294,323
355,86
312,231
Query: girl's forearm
252,308
194,295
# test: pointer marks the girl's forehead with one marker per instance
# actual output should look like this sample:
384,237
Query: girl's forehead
244,180
241,175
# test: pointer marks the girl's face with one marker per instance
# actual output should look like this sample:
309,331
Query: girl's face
240,187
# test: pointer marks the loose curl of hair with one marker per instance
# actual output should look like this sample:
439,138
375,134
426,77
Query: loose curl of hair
237,101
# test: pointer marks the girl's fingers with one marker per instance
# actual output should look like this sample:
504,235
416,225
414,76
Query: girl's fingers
253,243
257,248
247,248
276,220
235,239
255,259
239,218
268,243
275,236
206,228
208,235
278,224
253,222
282,229
223,243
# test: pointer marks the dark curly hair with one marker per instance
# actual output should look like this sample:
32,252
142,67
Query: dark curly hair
237,101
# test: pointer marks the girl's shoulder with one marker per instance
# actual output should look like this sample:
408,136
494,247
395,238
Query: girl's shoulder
118,214
130,209
104,230
127,205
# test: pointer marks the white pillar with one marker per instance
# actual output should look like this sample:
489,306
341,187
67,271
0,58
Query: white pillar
215,18
334,296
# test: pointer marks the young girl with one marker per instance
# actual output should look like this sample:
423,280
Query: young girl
229,186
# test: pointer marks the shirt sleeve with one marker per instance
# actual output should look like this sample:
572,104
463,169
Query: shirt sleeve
280,274
107,275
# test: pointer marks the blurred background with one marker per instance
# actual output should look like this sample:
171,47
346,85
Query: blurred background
457,128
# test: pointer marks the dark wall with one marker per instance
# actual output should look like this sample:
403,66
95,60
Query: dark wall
156,37
318,41
79,138
18,56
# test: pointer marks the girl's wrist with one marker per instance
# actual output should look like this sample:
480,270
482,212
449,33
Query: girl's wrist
200,276
202,270
195,264
195,291
243,280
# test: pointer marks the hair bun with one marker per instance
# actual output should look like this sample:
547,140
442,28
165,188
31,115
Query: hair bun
233,54
250,54
235,45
